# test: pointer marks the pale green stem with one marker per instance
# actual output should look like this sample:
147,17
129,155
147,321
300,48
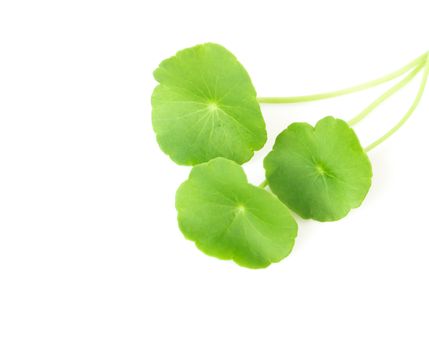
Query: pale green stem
263,184
410,111
385,96
360,87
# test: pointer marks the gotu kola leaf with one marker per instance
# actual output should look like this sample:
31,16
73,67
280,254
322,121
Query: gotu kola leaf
321,172
230,219
205,107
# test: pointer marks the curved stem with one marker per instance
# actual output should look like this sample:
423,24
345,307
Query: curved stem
385,96
410,111
360,87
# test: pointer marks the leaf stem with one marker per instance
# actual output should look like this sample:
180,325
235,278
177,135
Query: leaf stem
263,184
410,111
385,96
356,88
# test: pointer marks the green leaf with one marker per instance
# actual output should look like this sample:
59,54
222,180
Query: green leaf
321,172
205,107
229,218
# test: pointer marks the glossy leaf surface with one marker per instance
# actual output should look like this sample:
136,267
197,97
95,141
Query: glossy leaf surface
229,218
205,107
321,172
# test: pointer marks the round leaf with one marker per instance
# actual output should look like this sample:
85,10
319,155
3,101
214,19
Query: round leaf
321,172
229,218
205,107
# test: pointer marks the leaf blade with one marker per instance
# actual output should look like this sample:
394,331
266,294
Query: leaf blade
320,173
205,107
230,219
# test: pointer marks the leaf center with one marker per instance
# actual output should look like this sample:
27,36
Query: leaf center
212,106
321,170
240,209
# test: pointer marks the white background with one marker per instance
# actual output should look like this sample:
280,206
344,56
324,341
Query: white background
90,253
